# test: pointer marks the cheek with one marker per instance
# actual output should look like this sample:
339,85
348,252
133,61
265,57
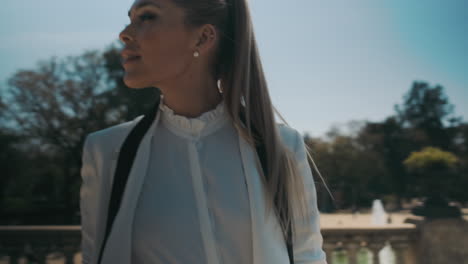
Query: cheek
165,51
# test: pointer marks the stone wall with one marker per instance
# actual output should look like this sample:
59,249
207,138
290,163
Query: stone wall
443,241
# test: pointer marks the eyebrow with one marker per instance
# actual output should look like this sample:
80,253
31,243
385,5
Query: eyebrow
142,4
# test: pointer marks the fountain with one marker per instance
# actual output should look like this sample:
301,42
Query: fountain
379,217
387,255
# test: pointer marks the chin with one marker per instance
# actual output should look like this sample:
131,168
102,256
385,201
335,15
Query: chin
135,83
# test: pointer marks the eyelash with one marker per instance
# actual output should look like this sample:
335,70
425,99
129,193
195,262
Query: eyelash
146,16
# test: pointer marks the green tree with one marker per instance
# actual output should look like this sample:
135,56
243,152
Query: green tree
433,170
53,106
391,143
426,112
353,172
10,158
434,175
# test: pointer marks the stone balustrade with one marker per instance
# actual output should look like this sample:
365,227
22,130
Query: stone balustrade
403,240
38,243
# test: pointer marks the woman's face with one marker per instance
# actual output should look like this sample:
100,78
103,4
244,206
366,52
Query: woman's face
158,46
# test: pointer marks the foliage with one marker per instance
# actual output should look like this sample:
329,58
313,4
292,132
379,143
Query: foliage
352,171
429,158
426,112
426,107
370,162
52,108
46,112
433,171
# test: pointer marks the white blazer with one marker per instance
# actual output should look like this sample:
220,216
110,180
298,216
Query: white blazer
99,160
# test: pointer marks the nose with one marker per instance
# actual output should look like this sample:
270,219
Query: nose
125,36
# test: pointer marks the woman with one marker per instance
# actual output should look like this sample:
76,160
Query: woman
207,176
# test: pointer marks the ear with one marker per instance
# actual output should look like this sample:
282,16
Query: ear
206,38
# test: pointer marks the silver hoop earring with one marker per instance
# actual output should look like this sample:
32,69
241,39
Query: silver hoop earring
220,89
196,54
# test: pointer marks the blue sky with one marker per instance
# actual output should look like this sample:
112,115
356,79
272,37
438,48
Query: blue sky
327,62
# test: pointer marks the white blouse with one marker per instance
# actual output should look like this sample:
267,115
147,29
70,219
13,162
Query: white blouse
193,207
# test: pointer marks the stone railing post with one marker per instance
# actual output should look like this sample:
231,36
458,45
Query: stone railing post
328,248
400,249
69,253
37,242
352,249
375,247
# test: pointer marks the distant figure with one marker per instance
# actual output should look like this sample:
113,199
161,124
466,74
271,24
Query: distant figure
389,219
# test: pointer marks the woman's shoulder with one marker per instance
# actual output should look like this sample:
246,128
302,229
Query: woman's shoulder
289,135
113,133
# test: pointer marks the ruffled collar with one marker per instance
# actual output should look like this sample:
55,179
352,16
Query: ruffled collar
195,127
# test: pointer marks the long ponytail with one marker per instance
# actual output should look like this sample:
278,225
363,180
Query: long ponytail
245,91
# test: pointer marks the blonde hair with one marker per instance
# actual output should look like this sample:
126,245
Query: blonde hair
240,71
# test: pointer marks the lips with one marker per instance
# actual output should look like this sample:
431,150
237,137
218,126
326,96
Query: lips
128,56
130,59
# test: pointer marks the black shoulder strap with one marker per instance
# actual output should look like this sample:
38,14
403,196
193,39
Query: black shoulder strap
125,161
124,164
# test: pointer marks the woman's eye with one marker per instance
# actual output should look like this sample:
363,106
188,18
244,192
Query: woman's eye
146,16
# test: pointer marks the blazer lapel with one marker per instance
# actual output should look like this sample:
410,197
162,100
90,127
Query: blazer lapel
267,240
119,246
252,187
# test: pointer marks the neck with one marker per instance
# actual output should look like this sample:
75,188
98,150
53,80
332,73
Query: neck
192,100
